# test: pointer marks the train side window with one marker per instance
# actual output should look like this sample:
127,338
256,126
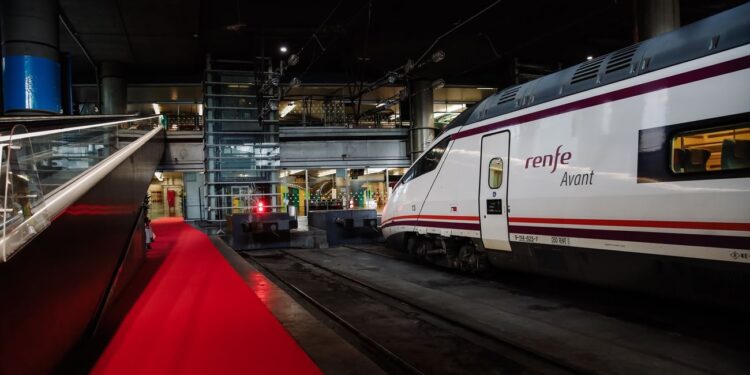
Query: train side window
496,173
711,150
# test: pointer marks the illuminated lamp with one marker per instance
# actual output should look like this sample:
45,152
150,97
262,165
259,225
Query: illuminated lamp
293,60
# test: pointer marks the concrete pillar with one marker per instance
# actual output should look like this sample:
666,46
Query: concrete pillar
422,117
114,89
275,198
341,183
31,68
655,17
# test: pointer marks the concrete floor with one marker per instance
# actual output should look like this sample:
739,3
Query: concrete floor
582,338
615,334
328,350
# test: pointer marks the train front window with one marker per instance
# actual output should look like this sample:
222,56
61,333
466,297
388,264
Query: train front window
496,173
711,150
428,162
431,158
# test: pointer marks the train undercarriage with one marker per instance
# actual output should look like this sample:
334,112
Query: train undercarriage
459,253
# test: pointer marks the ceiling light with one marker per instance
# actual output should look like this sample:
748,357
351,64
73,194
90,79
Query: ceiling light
373,170
409,66
283,49
293,60
289,107
236,27
392,77
326,172
290,172
200,109
455,108
438,56
157,108
438,84
485,88
589,57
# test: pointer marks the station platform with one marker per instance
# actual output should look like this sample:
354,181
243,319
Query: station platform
193,313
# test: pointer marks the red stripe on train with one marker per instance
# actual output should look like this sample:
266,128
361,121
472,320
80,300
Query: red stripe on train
434,217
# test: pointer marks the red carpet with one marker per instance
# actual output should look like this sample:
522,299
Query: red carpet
197,316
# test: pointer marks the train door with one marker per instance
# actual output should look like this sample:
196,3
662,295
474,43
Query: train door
493,191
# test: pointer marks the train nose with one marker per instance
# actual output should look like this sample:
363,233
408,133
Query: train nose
387,209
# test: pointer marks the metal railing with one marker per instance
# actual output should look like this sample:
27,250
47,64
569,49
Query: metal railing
44,172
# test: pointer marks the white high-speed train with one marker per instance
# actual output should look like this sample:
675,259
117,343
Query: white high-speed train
631,169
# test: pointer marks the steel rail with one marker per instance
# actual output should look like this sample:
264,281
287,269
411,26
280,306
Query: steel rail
525,350
370,342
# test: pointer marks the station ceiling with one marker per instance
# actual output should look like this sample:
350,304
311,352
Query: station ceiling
338,41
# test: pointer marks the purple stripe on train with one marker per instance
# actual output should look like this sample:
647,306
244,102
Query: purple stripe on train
644,88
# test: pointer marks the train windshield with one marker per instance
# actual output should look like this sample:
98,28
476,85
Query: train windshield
461,119
428,162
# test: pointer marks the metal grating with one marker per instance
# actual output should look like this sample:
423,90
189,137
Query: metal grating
508,95
587,70
621,59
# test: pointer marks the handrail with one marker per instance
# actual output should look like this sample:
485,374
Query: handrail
59,200
7,138
60,118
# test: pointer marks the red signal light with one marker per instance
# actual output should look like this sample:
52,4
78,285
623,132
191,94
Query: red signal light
260,208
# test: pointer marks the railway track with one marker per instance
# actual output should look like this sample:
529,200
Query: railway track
402,337
672,315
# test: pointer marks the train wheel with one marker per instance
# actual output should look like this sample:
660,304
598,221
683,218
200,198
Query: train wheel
470,260
411,246
422,248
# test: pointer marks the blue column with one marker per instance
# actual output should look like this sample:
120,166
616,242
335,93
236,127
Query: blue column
31,69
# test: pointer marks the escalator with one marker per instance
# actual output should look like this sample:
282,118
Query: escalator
71,231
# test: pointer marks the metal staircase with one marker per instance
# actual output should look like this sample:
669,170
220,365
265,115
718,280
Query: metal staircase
241,138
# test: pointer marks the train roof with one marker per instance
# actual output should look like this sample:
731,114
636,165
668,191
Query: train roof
714,34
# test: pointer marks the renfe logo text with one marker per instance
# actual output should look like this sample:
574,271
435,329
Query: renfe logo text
549,160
